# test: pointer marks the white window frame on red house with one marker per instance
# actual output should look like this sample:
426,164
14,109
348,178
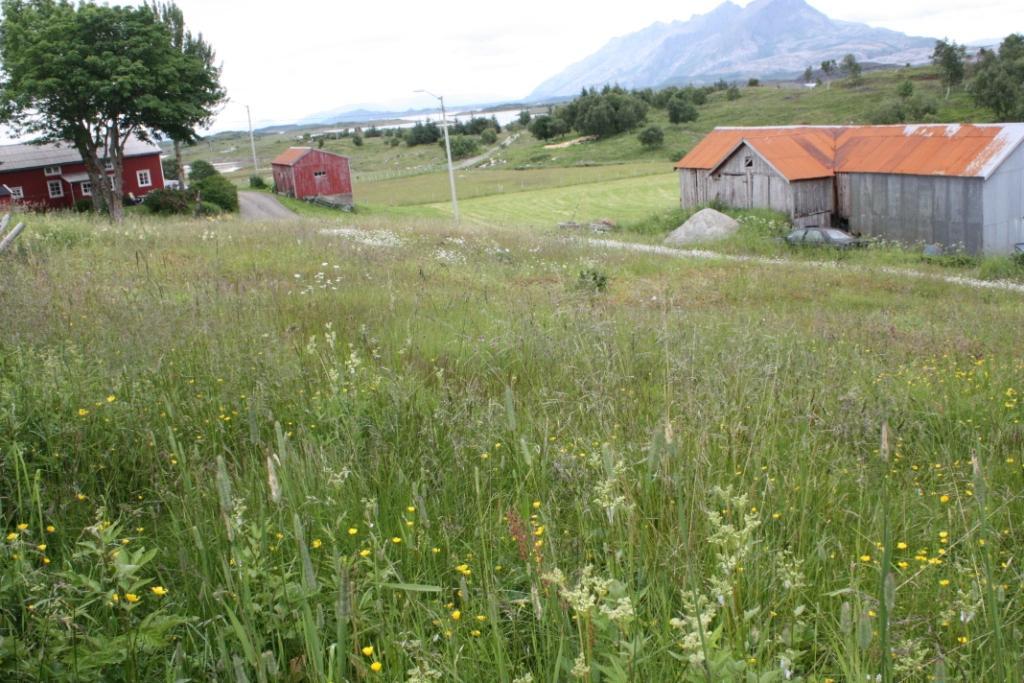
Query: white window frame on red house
17,192
50,171
86,188
108,165
51,184
144,173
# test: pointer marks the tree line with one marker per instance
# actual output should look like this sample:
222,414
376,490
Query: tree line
614,110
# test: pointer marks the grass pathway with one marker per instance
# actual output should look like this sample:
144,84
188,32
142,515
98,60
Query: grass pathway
1004,285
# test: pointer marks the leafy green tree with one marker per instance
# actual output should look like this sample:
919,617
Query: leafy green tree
652,137
194,47
201,169
170,169
950,58
808,75
999,79
541,128
422,134
218,190
733,93
488,136
462,146
905,89
611,112
524,117
681,109
96,76
851,68
829,67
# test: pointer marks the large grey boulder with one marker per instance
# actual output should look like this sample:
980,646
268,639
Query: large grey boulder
704,226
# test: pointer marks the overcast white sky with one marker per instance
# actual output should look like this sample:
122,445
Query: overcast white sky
295,58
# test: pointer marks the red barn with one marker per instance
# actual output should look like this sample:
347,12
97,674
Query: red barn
53,176
304,172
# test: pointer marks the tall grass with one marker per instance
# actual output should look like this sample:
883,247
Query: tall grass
259,452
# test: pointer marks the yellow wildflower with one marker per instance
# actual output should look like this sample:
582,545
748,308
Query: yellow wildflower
943,582
12,536
368,650
376,667
50,528
865,558
111,398
159,591
41,547
901,545
82,412
352,531
317,543
23,527
396,539
943,498
365,552
456,615
131,597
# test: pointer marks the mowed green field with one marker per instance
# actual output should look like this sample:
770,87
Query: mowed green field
621,201
401,451
434,187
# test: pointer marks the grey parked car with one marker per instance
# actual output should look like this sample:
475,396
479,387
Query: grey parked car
824,237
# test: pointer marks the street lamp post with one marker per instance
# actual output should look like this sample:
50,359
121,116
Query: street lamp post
448,151
252,142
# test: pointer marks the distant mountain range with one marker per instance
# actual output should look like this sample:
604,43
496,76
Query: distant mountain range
765,39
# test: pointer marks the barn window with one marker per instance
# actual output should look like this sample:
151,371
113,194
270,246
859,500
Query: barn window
108,165
17,192
51,170
748,161
144,178
320,174
86,188
56,189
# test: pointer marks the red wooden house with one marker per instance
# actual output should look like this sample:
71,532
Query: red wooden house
304,172
53,176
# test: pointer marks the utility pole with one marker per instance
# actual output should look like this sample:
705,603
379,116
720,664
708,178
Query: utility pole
448,151
252,142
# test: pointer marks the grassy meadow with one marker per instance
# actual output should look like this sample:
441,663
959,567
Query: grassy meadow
408,452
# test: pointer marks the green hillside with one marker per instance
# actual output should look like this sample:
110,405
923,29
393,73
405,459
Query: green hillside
775,104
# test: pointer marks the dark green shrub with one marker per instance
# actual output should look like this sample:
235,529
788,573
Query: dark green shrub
207,209
592,280
681,109
199,170
219,190
462,146
257,182
652,137
83,205
357,140
488,136
170,202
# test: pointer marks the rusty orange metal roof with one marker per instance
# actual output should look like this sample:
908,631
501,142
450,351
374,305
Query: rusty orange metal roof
291,156
803,152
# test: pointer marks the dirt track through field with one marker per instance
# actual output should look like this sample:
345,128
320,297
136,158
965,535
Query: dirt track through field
258,206
974,283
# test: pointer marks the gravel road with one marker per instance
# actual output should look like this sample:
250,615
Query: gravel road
260,206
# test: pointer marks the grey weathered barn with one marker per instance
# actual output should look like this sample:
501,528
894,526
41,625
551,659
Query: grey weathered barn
959,185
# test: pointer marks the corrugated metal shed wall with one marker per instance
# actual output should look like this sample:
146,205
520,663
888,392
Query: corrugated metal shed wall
1004,205
908,208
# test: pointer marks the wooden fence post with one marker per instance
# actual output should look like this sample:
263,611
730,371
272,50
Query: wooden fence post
8,240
